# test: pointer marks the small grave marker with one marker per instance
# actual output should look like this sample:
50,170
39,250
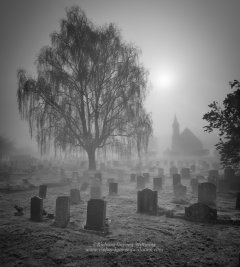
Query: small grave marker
36,210
62,211
147,201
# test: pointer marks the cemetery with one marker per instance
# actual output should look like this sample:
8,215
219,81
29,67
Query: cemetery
105,157
75,222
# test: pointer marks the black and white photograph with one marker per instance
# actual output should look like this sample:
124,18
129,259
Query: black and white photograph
120,133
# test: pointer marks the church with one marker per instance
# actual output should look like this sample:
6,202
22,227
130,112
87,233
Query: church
185,143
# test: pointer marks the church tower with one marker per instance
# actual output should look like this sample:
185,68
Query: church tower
176,135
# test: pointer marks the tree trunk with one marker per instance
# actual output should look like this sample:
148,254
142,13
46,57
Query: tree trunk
91,159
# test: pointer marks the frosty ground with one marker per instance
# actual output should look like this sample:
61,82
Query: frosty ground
176,242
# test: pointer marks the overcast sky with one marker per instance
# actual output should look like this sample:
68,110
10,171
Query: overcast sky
190,47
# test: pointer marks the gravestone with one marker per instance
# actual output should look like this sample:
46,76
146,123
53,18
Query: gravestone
238,201
36,210
95,192
200,212
176,179
62,211
84,186
194,185
185,173
173,170
42,191
146,176
180,192
207,194
113,188
147,201
133,177
160,172
157,183
75,196
140,182
96,215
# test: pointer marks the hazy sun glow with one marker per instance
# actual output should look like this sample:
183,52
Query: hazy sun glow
163,80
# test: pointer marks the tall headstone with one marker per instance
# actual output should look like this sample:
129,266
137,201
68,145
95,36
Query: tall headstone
140,182
173,170
96,215
62,211
42,191
75,196
36,210
194,185
160,172
113,188
207,194
176,179
147,201
238,201
185,173
157,183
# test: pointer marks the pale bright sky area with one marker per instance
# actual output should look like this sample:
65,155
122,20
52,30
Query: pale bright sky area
190,47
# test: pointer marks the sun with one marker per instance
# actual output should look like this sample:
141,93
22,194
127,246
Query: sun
163,80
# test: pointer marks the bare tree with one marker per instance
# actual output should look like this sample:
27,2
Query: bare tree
89,89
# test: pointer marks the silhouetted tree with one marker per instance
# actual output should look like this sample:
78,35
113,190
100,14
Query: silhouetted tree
89,90
227,120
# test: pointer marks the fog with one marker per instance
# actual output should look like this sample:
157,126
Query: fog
191,49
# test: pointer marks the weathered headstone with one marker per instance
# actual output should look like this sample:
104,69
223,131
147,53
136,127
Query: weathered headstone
176,179
113,188
173,170
62,211
75,196
157,183
42,191
96,215
133,177
146,176
147,201
238,201
200,212
207,194
140,182
160,172
36,210
185,173
95,192
194,185
180,192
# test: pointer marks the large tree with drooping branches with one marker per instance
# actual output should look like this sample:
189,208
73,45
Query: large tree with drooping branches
88,92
